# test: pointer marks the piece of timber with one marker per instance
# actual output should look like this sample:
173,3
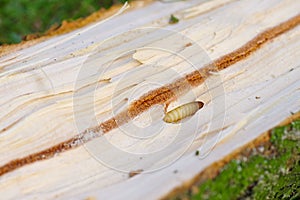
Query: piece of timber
60,96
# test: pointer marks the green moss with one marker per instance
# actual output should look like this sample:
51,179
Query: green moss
21,17
173,20
271,173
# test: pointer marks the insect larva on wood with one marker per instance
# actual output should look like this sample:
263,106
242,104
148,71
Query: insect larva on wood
183,111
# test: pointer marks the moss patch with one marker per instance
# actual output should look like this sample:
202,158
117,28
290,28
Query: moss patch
19,18
173,20
269,171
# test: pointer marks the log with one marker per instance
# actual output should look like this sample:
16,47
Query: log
82,113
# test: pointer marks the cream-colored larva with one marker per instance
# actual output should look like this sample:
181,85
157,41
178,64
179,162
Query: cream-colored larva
183,111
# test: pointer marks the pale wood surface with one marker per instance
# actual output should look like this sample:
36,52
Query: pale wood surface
38,108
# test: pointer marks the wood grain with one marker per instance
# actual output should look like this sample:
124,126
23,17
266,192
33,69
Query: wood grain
60,96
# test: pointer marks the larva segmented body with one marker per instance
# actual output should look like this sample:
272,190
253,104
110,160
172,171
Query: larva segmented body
183,111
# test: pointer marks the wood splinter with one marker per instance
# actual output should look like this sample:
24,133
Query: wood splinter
135,172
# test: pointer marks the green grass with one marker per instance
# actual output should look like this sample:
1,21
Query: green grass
271,172
21,17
